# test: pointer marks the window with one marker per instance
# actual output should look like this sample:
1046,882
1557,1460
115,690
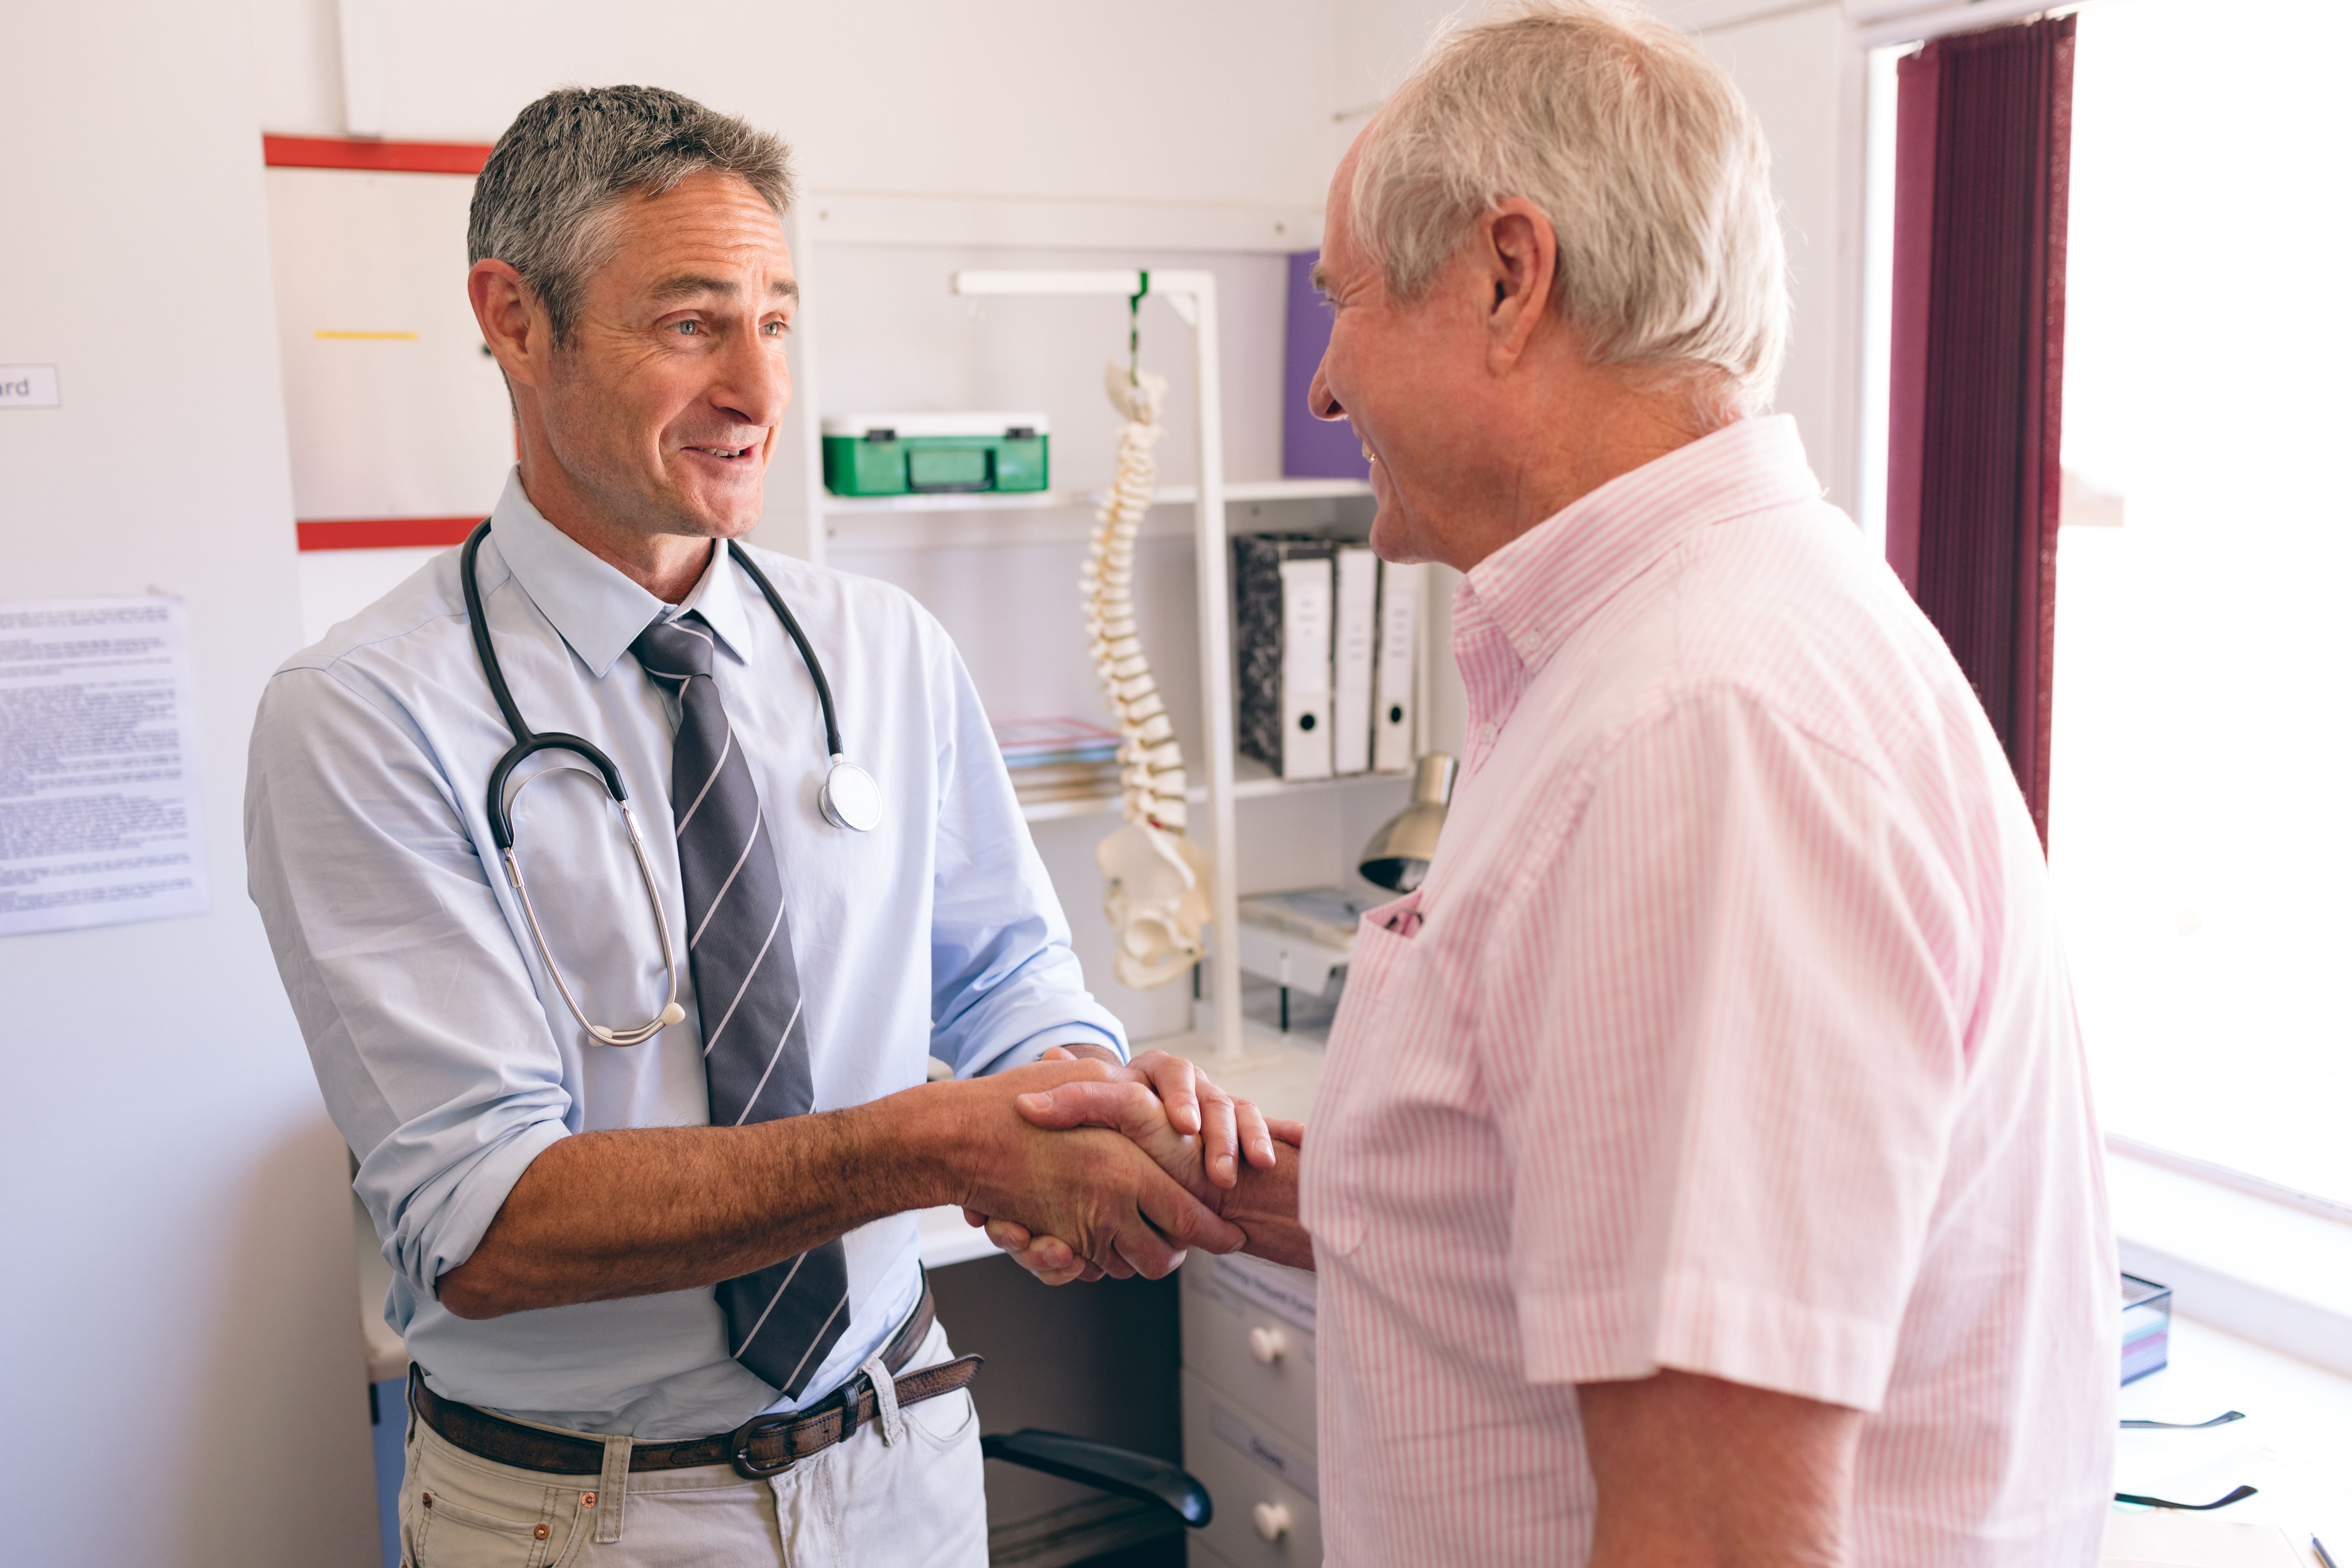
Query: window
2201,820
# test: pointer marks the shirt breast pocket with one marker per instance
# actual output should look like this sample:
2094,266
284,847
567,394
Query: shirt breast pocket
1352,1074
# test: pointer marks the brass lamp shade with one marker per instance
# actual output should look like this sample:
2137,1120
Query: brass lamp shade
1398,856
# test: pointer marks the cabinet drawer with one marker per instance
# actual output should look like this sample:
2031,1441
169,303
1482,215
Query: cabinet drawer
1199,1556
1261,1481
1248,1329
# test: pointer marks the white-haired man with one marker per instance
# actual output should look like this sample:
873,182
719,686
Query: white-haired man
1703,1170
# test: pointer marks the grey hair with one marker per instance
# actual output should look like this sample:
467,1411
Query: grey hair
545,200
1641,152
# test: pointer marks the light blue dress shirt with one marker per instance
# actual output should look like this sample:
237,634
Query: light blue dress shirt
446,1053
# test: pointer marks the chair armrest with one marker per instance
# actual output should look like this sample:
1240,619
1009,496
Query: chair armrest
1098,1465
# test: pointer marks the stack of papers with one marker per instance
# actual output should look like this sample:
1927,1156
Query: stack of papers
1324,915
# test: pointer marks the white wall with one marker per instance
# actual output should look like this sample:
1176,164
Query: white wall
1802,73
1211,101
178,1348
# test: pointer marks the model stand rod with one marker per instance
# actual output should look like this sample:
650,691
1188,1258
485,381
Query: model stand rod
1193,296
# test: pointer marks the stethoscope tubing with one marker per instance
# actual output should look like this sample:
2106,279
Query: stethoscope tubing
529,743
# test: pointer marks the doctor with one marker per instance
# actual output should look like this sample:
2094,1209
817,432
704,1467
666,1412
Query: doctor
663,1295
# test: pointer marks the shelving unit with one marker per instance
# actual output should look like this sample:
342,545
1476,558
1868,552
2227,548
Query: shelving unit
1043,530
1193,294
956,520
1262,786
1053,501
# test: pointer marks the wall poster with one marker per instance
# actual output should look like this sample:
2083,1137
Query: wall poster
99,819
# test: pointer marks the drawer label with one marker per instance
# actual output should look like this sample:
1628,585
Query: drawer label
1287,1293
1276,1458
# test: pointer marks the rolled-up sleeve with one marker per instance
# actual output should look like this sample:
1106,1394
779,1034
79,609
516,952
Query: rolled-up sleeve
427,1036
1004,983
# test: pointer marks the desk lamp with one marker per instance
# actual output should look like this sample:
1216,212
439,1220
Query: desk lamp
1398,856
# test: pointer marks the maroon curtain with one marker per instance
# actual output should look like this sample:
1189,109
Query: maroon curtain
1983,123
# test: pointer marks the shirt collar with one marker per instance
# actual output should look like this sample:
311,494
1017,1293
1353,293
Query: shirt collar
593,606
1543,585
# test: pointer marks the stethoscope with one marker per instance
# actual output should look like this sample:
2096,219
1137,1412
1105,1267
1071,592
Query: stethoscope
849,798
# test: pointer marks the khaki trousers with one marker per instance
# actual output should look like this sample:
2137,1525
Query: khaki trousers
905,1492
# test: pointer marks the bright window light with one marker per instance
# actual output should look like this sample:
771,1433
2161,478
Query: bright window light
2200,823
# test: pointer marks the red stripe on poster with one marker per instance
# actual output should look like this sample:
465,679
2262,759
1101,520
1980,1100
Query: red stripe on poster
384,532
384,157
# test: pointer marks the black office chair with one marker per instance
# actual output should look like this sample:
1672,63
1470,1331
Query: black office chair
1122,1471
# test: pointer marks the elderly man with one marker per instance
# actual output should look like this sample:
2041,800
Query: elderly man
1703,1170
640,1109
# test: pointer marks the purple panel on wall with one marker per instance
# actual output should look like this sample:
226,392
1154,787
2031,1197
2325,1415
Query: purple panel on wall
1311,448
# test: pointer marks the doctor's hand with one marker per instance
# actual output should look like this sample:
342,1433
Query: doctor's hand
1113,1207
1212,1124
1264,1202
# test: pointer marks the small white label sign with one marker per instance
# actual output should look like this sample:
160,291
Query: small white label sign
28,387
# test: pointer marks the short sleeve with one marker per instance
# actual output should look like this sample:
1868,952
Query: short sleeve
1725,1062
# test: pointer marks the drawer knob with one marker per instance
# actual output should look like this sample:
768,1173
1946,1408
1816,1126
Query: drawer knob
1266,1346
1272,1519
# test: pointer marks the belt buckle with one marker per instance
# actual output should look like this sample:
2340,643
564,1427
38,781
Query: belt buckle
743,1436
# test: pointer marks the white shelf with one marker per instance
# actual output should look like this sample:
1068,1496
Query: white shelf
1278,1072
1267,489
832,505
1263,787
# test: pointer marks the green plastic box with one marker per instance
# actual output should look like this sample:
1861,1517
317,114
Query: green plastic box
919,454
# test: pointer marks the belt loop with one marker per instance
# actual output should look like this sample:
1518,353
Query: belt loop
849,1396
612,1487
886,1401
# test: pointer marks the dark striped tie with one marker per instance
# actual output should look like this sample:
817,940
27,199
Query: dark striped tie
781,1321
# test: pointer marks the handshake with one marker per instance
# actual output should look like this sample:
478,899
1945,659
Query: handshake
1118,1169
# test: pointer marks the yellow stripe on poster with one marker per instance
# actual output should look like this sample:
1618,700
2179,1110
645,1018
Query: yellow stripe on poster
368,336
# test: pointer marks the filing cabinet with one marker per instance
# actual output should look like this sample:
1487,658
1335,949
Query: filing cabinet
1262,1480
1248,1330
1248,1333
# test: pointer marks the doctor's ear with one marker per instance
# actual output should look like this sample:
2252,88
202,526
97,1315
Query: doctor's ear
514,327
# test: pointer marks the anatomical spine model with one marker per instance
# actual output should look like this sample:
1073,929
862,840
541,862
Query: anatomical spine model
1156,880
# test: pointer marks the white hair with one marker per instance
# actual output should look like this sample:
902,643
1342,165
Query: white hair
1641,154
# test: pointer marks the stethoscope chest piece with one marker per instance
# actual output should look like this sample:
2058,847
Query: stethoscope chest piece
849,798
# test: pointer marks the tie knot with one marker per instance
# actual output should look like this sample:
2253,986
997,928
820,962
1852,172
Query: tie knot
675,650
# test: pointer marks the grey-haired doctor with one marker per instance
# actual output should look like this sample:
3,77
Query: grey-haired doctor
663,1298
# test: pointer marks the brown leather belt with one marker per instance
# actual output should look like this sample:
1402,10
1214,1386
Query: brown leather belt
763,1446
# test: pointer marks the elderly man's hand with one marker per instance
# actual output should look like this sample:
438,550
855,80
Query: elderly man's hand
1114,1208
1227,1127
1264,1202
1207,1127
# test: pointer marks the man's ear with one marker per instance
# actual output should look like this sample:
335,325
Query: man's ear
512,322
1520,256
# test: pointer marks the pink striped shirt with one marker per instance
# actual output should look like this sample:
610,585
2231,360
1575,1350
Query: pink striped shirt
1729,1033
